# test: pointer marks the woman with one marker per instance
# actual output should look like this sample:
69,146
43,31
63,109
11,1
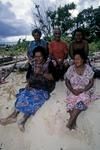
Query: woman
36,33
40,78
78,43
79,81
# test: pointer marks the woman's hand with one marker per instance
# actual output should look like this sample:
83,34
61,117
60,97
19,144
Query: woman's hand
38,71
60,61
65,62
74,91
28,86
54,62
77,92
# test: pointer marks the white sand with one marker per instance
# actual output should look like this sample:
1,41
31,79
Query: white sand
47,129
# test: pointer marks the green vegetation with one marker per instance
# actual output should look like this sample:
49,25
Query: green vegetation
94,46
14,50
88,19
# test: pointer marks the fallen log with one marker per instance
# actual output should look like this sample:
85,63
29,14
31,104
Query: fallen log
7,69
12,62
6,59
9,72
5,73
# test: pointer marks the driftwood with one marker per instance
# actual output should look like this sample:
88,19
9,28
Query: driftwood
5,71
5,59
7,68
12,62
22,66
11,70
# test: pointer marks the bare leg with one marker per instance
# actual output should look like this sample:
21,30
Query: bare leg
21,124
74,123
71,114
10,119
74,126
72,120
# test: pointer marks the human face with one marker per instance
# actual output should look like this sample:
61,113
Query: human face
78,61
36,36
57,35
78,36
38,57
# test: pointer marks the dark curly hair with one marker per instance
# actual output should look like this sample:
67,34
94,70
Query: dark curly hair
81,53
41,50
36,31
79,30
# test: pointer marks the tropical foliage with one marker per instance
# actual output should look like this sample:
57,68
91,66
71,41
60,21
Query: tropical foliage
88,19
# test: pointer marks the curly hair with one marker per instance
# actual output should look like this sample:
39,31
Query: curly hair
78,30
41,50
36,31
81,53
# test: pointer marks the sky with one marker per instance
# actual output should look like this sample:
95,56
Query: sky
16,16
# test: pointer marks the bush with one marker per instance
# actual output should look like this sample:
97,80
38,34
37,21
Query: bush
94,46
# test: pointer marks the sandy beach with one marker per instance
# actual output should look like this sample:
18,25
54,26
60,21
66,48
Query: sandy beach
46,130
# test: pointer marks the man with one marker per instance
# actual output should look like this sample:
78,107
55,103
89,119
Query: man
58,51
78,43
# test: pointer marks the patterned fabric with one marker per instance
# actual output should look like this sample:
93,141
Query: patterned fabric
29,101
81,106
79,82
43,67
38,81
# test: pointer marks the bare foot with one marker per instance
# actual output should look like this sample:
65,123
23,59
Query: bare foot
3,82
21,127
69,126
74,126
7,121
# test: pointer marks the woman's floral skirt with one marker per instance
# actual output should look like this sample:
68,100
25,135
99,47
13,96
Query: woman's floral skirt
29,101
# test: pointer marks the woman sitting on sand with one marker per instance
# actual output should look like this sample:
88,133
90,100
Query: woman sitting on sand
79,81
40,78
